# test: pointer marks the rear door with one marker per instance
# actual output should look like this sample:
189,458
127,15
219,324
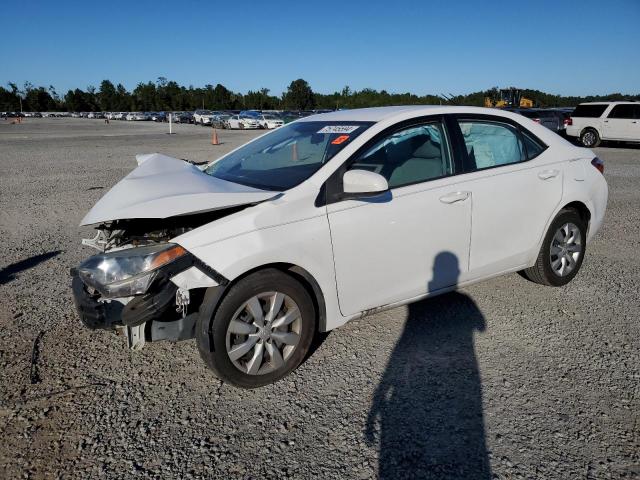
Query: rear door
622,123
515,183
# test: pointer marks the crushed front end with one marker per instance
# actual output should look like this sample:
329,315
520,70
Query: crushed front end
141,285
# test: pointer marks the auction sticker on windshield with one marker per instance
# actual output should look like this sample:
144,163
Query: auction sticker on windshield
338,129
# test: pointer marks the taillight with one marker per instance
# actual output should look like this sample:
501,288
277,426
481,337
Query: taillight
599,164
568,121
537,120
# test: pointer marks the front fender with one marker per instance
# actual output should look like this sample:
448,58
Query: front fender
304,243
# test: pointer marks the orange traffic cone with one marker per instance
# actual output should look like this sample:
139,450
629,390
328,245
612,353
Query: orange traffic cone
294,152
214,138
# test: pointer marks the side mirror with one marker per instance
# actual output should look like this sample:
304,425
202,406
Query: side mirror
363,183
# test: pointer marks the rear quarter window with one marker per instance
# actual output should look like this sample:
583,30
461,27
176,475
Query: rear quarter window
589,111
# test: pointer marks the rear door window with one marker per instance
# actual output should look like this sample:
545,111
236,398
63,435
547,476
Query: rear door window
623,111
589,111
491,144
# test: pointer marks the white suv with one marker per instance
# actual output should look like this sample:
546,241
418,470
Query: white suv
329,218
593,122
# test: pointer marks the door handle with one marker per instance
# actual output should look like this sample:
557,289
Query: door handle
547,174
455,197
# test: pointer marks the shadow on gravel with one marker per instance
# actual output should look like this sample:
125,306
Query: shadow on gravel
8,273
427,409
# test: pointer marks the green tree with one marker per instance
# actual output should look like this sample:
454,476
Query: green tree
107,97
299,95
145,97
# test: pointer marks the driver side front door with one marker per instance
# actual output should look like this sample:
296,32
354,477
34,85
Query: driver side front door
411,240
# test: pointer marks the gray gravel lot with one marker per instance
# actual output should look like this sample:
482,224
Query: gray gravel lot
505,379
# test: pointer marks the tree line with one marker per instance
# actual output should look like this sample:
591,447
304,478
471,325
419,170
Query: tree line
166,95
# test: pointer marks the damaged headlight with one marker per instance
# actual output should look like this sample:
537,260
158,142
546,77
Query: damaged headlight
124,273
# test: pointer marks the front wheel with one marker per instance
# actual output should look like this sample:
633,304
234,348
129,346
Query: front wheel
562,251
261,331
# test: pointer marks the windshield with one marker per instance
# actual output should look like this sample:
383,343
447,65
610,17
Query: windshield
287,156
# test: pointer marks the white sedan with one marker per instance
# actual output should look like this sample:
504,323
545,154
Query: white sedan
330,218
269,122
136,116
242,122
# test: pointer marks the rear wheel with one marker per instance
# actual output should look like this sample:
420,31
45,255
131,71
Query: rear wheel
562,251
261,331
590,138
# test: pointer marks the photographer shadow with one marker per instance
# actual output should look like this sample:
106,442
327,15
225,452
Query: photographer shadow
427,409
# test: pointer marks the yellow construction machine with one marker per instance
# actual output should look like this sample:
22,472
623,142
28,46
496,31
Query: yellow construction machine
507,97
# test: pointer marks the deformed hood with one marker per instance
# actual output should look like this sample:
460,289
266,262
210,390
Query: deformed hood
162,187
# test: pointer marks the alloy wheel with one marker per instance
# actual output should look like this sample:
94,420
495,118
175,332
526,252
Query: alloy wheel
263,333
566,248
588,139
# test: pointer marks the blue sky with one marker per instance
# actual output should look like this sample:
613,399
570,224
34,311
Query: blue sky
566,47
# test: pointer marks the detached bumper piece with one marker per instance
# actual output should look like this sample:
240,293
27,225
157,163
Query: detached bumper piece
151,306
94,314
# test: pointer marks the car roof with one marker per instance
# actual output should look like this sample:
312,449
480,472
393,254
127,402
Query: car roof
377,114
610,103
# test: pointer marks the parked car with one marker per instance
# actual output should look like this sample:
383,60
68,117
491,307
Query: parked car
182,117
137,116
202,117
158,116
547,118
565,116
250,113
220,121
269,122
330,218
593,122
242,122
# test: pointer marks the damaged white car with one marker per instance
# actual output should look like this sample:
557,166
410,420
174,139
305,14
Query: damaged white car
329,218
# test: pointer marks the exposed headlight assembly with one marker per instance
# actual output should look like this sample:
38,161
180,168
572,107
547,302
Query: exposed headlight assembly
128,272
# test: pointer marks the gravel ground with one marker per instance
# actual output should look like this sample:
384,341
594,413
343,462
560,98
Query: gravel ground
505,379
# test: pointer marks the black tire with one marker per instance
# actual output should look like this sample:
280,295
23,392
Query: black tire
590,138
542,272
213,349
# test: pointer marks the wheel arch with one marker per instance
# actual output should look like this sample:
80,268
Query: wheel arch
581,208
307,280
590,127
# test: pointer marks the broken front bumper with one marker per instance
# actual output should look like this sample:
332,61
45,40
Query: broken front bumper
160,314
